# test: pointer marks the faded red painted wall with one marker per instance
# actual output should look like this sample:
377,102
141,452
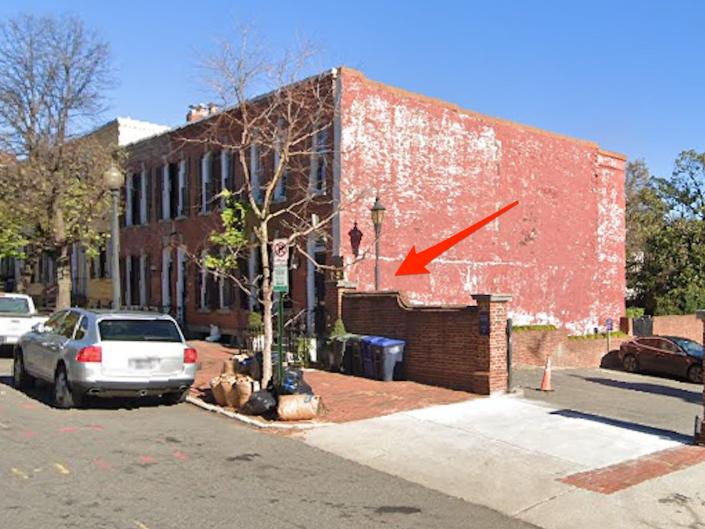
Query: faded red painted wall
438,169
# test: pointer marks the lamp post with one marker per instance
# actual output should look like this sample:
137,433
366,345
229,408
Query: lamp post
377,211
114,180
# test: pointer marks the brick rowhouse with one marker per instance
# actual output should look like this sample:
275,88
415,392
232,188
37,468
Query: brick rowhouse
437,169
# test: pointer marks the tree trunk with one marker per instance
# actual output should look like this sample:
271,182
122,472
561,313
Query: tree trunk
267,309
63,279
28,266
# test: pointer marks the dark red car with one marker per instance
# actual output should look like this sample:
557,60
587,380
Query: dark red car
665,355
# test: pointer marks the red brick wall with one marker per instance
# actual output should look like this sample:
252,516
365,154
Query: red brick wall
686,326
439,168
530,348
443,347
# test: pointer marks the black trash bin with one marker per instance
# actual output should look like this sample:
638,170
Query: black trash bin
352,355
387,357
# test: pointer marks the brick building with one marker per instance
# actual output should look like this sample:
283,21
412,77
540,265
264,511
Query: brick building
437,169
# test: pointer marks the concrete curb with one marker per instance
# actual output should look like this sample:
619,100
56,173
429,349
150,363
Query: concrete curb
249,420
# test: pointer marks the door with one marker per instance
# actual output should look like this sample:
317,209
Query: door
319,307
56,341
671,360
34,350
648,354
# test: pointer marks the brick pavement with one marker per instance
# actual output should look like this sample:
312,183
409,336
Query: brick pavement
345,398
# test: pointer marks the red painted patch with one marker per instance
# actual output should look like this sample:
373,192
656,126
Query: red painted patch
102,464
147,460
28,434
68,429
96,427
629,473
30,405
180,455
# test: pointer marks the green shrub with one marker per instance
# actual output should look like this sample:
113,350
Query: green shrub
338,329
635,312
520,328
254,320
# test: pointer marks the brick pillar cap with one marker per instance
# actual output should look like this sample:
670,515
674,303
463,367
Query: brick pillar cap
497,298
700,314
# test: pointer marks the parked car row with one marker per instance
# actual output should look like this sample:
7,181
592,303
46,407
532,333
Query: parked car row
105,354
665,355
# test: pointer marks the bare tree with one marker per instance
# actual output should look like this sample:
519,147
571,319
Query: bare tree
53,74
282,143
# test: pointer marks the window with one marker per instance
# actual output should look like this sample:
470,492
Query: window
206,175
183,198
158,177
82,329
256,171
690,347
144,211
68,325
134,216
216,179
135,271
10,305
319,161
100,265
53,323
114,330
173,190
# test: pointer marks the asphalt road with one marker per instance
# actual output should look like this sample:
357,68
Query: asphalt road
653,404
164,467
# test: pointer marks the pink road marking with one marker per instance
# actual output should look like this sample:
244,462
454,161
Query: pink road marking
102,464
30,405
68,429
180,455
28,434
96,427
147,460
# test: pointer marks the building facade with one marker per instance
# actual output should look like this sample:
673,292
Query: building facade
437,169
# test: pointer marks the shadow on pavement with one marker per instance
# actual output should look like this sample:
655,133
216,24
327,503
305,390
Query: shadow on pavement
41,392
642,428
694,397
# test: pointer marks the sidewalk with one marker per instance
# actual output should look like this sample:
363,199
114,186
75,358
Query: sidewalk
345,398
548,466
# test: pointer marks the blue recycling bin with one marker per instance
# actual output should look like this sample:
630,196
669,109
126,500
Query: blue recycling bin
383,358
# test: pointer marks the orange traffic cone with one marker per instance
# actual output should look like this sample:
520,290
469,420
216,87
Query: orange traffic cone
546,380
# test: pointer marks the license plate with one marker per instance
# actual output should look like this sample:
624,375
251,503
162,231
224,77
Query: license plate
143,363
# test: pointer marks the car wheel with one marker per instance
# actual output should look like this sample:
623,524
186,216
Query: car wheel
64,398
695,374
175,398
20,378
630,364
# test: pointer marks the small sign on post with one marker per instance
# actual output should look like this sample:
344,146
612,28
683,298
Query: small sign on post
280,274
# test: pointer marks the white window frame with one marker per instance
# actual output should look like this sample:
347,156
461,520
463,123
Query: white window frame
280,189
129,221
205,180
318,157
143,196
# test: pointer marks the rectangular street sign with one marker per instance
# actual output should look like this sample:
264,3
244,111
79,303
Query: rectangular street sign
280,257
609,324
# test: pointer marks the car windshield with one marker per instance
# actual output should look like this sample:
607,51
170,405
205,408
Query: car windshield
14,305
138,331
690,347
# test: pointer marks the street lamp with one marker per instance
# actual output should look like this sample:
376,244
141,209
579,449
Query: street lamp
377,211
114,180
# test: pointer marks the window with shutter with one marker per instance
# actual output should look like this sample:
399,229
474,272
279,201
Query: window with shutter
215,179
173,190
158,186
148,196
198,205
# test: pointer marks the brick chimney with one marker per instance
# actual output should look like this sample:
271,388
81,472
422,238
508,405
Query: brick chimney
212,109
196,112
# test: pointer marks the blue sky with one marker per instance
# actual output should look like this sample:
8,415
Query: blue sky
628,75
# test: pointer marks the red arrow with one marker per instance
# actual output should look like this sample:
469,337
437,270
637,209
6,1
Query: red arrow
415,263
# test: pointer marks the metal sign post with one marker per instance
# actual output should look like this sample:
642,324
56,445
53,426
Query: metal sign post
608,324
280,284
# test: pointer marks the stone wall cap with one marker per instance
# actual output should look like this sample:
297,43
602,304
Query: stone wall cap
497,298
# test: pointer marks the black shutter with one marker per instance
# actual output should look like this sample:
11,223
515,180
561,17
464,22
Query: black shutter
148,279
216,178
158,186
185,193
148,198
